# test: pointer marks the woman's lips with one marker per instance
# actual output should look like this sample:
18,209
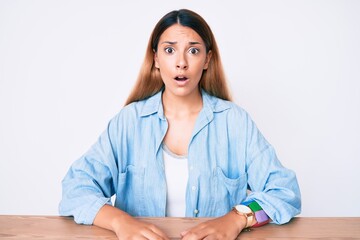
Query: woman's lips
181,78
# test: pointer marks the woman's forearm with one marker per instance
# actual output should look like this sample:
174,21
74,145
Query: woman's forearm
110,217
126,226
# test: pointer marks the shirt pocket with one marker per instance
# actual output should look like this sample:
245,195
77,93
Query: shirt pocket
231,191
129,194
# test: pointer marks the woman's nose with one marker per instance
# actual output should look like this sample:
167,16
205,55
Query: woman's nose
181,63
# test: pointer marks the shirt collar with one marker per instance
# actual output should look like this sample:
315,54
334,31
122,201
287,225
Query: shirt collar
153,105
211,105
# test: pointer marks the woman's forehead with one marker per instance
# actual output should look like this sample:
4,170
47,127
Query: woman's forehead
178,32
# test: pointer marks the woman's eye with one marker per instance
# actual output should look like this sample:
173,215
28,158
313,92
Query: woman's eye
194,50
169,50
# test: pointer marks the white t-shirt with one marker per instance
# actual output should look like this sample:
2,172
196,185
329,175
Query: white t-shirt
176,172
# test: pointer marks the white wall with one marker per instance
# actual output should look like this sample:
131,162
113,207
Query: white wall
66,68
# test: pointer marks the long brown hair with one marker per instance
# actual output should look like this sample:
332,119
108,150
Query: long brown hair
213,79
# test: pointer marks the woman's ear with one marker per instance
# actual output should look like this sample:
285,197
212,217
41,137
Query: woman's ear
156,59
207,60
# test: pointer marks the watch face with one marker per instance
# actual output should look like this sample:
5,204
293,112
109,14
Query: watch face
245,211
243,208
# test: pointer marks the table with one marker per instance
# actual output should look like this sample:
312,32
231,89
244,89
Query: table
55,227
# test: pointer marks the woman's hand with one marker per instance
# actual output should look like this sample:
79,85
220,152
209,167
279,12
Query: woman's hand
131,228
126,226
227,227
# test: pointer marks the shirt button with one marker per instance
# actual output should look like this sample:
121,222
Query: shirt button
193,188
196,211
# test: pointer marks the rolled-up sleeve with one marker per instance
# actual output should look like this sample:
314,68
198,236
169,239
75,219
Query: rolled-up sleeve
272,185
89,183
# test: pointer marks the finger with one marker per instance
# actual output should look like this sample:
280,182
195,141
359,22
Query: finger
140,238
159,232
183,233
195,234
151,235
210,237
193,229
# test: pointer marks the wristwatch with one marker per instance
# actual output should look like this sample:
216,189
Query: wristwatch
245,211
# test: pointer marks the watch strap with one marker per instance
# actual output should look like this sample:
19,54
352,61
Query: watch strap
254,206
249,216
260,215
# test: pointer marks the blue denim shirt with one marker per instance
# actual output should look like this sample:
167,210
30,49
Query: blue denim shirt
227,156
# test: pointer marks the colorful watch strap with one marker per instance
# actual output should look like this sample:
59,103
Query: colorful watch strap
254,206
260,215
261,224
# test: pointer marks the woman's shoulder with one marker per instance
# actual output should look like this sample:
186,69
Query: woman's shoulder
228,107
137,109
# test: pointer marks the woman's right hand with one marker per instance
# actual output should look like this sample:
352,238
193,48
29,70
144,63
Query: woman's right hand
131,228
126,226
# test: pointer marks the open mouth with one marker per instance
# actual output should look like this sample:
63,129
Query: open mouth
181,78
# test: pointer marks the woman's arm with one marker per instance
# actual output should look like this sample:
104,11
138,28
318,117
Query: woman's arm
228,226
126,226
90,183
274,187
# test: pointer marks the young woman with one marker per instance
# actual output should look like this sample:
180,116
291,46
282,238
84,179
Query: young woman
180,148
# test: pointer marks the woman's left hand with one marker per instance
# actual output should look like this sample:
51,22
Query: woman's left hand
227,227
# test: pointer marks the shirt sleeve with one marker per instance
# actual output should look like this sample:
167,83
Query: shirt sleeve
272,186
89,183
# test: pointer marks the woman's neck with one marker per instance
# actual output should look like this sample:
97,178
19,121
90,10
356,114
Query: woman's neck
181,105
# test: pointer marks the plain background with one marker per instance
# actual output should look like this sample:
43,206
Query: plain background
66,68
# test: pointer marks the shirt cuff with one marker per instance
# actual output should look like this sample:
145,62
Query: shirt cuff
94,209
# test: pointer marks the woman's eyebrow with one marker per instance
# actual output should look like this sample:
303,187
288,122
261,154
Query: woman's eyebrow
169,42
172,43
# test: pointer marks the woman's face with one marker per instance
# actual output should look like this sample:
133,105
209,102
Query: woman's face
181,58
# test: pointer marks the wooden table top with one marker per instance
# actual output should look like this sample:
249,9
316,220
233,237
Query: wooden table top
55,227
